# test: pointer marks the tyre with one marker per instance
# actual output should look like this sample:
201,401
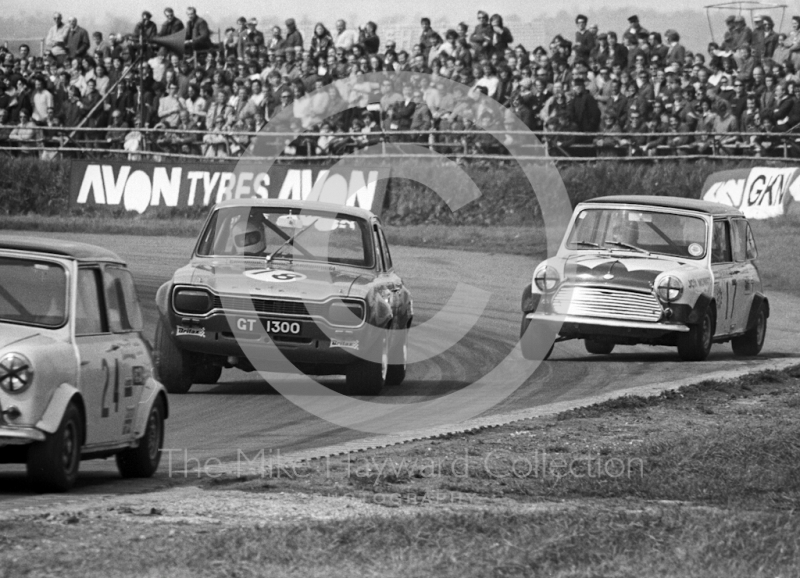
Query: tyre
174,365
142,461
396,372
695,345
751,342
369,377
53,464
598,347
527,343
207,373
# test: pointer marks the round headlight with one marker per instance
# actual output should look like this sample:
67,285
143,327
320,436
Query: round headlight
546,278
16,373
670,289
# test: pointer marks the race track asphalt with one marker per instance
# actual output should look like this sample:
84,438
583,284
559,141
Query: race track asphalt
243,414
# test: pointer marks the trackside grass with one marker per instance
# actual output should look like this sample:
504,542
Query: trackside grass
700,482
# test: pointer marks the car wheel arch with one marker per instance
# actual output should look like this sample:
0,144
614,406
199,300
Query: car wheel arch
62,397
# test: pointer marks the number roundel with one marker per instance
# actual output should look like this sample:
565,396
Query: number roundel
271,276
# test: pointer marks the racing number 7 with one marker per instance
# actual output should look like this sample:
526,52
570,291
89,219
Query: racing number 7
106,410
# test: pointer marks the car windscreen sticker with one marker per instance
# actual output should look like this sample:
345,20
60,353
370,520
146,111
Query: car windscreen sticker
275,276
695,249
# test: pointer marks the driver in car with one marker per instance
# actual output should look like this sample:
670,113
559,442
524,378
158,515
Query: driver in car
248,238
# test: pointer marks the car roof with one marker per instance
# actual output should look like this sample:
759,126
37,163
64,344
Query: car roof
670,203
287,204
59,247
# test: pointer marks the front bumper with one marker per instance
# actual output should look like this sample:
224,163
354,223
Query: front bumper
12,436
577,326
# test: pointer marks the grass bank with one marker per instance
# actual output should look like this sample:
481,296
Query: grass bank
713,491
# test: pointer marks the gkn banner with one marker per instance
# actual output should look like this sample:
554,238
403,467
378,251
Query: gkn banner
759,192
139,186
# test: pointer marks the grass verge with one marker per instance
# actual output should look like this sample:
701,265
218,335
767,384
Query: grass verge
716,495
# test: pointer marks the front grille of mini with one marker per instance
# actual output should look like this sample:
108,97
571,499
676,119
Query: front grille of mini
607,303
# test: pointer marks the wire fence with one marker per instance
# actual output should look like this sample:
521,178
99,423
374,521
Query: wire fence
165,144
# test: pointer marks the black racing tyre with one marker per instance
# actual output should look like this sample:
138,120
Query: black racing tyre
527,342
174,365
207,373
598,347
142,461
369,377
53,464
396,373
750,343
695,345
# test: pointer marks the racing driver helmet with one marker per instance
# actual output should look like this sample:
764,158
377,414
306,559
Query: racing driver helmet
248,238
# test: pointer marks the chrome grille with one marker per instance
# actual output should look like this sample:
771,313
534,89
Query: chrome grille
604,302
272,306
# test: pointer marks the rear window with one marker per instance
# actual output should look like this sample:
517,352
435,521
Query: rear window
33,292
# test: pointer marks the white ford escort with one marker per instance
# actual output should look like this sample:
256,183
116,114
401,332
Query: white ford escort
76,375
651,270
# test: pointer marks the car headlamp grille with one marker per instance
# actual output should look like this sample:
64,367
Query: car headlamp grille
192,301
670,289
16,373
345,313
546,278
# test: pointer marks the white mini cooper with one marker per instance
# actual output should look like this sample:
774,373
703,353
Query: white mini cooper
651,270
76,375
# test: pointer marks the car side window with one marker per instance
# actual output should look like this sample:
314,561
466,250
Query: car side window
752,250
386,254
379,247
721,245
124,314
739,240
90,316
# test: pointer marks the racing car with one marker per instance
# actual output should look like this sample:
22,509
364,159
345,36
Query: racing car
76,375
651,270
311,283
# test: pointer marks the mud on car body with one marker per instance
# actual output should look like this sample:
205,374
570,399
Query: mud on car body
76,375
311,283
651,270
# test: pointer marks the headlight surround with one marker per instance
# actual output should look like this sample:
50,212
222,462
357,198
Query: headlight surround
16,373
192,301
546,279
346,313
669,289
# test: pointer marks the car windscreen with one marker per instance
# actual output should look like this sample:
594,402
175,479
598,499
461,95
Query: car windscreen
628,229
32,292
288,234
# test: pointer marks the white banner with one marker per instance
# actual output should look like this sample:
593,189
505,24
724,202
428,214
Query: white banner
759,193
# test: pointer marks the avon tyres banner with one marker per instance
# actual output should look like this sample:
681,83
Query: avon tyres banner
759,193
141,186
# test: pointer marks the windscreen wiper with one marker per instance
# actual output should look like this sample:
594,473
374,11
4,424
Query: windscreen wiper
628,246
289,241
587,244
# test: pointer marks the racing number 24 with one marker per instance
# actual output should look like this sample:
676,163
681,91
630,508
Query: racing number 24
107,410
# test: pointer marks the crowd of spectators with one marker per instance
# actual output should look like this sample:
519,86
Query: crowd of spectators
592,93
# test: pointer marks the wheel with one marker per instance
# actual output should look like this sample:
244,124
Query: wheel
207,373
368,377
752,341
174,365
396,372
695,345
53,464
527,343
142,461
598,347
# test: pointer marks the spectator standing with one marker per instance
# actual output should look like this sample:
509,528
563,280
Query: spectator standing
426,36
770,37
171,25
198,36
635,30
582,109
253,40
321,41
145,28
584,39
26,134
617,53
169,107
102,48
42,101
369,39
741,33
77,42
481,38
293,37
676,53
501,36
56,40
345,38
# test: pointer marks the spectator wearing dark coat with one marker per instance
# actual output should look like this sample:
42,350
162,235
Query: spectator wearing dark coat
583,109
77,43
293,37
584,39
403,110
676,53
501,36
172,25
617,53
145,28
198,37
481,37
